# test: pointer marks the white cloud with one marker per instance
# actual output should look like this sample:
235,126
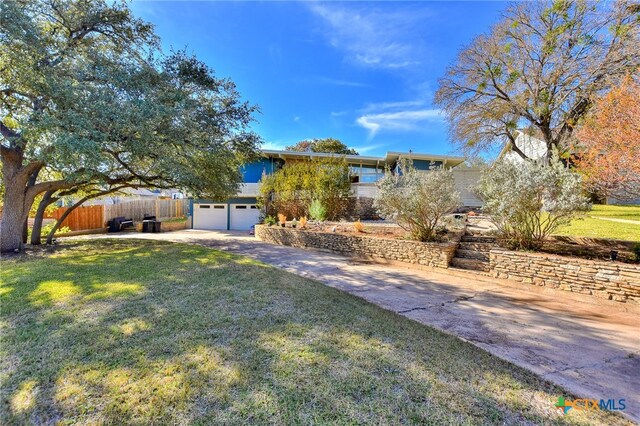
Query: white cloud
403,120
274,145
296,118
373,37
384,106
368,148
339,82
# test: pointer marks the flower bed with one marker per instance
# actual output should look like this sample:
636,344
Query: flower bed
373,247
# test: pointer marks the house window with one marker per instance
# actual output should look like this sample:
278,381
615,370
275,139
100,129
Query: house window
241,207
218,207
205,206
365,173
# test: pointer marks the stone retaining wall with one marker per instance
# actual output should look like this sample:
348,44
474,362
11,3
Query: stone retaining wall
608,280
414,252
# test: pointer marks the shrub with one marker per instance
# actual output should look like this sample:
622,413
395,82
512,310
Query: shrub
44,231
291,189
636,252
417,200
317,210
527,201
270,220
303,222
282,218
358,226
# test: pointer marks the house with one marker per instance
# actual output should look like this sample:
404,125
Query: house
241,211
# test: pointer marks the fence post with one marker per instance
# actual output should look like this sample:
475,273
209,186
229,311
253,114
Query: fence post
157,212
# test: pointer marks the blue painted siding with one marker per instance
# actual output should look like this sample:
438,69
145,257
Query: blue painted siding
252,172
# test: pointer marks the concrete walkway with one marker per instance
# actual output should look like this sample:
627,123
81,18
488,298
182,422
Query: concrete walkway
587,345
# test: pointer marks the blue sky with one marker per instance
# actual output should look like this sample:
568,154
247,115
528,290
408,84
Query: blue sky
362,72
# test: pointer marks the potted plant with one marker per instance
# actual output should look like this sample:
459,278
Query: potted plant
282,219
294,223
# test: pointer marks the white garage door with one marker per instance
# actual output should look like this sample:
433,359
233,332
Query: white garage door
244,216
209,216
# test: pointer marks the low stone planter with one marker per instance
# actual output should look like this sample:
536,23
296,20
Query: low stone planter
605,279
173,226
166,226
413,252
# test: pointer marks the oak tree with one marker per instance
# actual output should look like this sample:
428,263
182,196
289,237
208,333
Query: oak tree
87,95
539,68
327,145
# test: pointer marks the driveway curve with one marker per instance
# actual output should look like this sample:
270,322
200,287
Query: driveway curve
589,346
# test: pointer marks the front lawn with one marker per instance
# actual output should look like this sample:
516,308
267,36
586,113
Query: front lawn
593,227
628,212
148,332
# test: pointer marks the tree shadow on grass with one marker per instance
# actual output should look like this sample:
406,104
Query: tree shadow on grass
209,337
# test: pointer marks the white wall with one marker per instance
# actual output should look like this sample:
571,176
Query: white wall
532,147
465,180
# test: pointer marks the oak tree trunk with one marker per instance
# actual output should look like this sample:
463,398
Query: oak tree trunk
36,232
16,205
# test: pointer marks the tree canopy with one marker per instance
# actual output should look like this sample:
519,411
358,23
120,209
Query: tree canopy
608,149
327,145
88,97
539,68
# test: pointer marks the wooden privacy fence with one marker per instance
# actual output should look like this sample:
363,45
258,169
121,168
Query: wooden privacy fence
89,217
137,209
92,217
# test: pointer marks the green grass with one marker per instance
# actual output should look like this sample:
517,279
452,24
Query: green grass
147,332
592,227
629,212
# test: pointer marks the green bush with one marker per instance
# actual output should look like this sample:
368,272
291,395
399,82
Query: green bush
46,228
291,190
317,211
270,220
636,251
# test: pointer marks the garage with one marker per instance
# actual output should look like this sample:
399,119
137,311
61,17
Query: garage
243,216
210,216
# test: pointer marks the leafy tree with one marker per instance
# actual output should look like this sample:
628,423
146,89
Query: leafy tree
539,68
528,201
609,142
291,190
417,200
86,96
328,145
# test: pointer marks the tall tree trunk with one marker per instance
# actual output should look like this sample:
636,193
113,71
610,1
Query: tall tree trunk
16,203
36,232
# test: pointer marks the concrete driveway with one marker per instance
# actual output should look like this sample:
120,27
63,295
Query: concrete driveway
587,345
